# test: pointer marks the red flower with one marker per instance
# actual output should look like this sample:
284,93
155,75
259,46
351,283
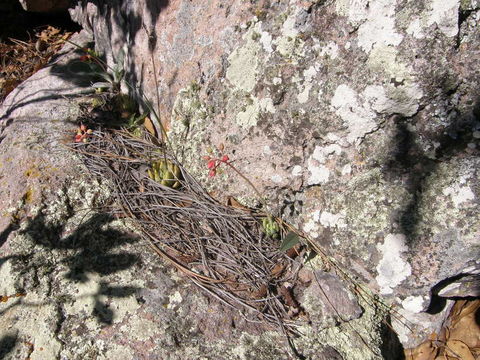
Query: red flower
82,133
214,163
211,164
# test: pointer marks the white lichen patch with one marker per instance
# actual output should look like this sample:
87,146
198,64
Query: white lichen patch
266,41
277,179
330,50
85,293
319,174
7,281
297,170
321,154
402,100
28,316
459,194
174,300
141,329
329,219
304,90
442,13
392,268
122,307
358,117
379,27
312,226
88,293
414,304
355,10
347,170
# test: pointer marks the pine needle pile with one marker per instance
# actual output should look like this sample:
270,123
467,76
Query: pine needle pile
222,249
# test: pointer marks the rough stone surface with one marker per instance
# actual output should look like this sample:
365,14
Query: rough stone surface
358,120
77,283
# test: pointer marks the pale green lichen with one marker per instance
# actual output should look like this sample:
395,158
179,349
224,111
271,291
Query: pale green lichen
244,62
249,116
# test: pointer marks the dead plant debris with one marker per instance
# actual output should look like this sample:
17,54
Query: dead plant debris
20,59
221,248
458,339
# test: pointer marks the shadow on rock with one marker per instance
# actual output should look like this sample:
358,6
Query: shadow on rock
411,163
391,347
7,343
89,249
118,19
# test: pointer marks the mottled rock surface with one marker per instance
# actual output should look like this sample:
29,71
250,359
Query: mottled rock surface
77,283
358,120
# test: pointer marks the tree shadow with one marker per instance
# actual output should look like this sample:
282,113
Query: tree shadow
7,343
122,14
89,249
391,347
119,14
414,166
6,233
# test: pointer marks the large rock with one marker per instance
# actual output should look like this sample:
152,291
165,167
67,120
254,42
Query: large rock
358,120
76,283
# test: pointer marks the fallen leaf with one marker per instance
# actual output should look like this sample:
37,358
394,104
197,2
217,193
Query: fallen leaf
277,270
458,349
289,297
231,201
424,351
149,126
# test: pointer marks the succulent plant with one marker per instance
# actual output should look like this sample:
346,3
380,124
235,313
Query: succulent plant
166,173
270,227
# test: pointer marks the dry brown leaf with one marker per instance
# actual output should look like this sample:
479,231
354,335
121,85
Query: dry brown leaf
277,270
424,351
260,293
465,326
231,201
458,350
149,126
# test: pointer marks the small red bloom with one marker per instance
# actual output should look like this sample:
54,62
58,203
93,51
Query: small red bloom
82,133
211,164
